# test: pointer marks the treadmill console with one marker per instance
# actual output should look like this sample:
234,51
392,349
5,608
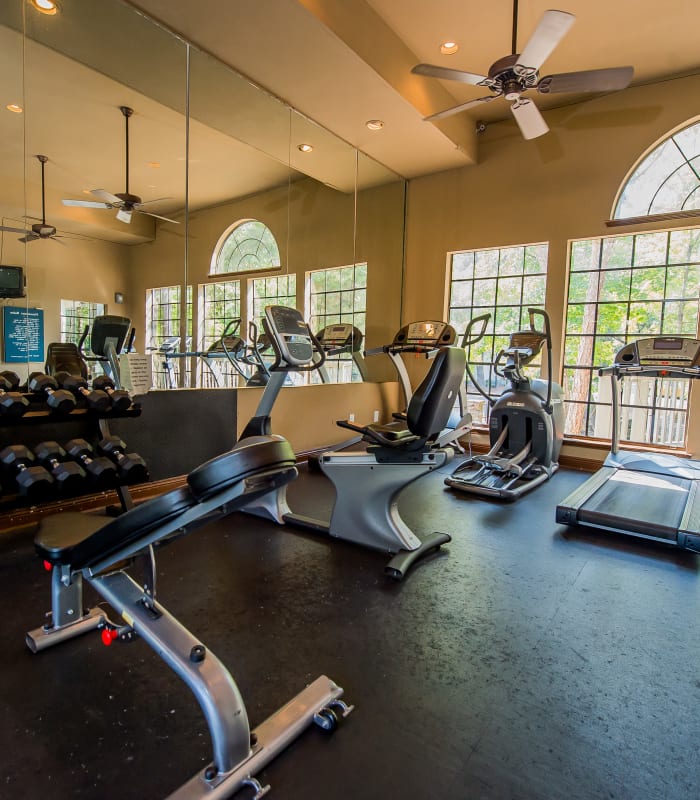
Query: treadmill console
424,335
340,336
659,354
287,328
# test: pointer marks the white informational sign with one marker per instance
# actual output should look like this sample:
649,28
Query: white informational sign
135,372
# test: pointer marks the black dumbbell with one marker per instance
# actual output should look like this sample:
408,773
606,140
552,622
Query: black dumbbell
33,482
12,404
58,399
96,399
69,477
119,398
101,471
132,468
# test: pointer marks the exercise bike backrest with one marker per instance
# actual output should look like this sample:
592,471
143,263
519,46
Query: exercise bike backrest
432,403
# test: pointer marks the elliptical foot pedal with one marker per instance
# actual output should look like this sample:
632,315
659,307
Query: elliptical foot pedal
404,559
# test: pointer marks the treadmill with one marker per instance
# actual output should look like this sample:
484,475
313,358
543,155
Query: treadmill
654,496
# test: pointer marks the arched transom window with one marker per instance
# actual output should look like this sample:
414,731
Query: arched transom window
246,245
666,180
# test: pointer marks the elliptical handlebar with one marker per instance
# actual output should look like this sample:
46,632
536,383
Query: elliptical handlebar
547,331
470,338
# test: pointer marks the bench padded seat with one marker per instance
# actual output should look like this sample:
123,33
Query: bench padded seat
250,455
80,540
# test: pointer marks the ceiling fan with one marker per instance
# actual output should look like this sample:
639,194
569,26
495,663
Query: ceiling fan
511,76
125,202
39,230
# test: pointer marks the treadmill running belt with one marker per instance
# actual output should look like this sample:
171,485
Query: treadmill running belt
651,505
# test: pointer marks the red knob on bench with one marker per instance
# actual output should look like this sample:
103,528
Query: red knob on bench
108,636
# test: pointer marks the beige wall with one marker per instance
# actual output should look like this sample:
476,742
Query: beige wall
553,189
79,270
314,231
321,406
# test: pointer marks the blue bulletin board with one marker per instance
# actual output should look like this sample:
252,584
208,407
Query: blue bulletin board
22,334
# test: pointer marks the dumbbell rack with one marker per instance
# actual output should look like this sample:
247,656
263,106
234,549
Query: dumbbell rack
40,423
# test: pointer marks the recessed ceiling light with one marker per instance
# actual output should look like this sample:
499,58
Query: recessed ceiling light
154,164
374,124
305,148
447,48
14,108
45,6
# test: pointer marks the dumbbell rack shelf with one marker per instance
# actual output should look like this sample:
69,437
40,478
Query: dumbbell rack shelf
41,423
47,415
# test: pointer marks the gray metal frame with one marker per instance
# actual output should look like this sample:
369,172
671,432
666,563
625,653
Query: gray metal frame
237,752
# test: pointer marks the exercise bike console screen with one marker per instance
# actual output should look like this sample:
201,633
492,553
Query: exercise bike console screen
289,330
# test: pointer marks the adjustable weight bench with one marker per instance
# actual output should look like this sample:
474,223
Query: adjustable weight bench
99,550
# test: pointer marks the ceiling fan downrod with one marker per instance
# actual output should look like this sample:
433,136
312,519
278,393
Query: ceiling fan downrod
43,160
127,112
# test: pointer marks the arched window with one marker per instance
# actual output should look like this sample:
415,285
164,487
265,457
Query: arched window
246,245
666,180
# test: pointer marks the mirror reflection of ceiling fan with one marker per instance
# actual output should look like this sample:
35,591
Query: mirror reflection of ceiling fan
125,202
39,230
511,76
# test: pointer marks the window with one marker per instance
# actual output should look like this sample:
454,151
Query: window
220,303
75,315
666,180
246,245
503,282
334,295
623,288
277,291
163,312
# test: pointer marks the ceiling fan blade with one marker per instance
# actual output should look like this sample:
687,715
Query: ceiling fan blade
30,237
57,239
147,202
86,204
13,230
529,119
431,71
124,215
157,216
550,30
591,80
106,197
448,112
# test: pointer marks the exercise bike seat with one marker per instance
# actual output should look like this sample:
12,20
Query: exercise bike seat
80,540
429,409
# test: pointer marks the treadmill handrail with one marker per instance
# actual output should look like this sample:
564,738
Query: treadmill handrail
651,370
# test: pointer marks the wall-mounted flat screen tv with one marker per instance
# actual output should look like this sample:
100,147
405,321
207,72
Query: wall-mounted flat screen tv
11,282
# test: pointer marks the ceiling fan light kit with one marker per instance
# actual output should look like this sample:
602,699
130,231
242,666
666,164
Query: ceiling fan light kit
513,75
125,202
39,230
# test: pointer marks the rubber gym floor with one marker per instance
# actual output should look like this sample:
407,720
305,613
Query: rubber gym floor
525,661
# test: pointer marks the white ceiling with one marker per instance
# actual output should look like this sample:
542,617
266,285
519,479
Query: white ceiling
339,62
342,63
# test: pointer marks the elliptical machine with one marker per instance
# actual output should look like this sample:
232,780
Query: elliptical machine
526,423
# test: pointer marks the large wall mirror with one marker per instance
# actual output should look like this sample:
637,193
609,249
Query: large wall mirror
214,163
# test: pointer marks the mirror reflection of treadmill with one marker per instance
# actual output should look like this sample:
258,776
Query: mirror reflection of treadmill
651,495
